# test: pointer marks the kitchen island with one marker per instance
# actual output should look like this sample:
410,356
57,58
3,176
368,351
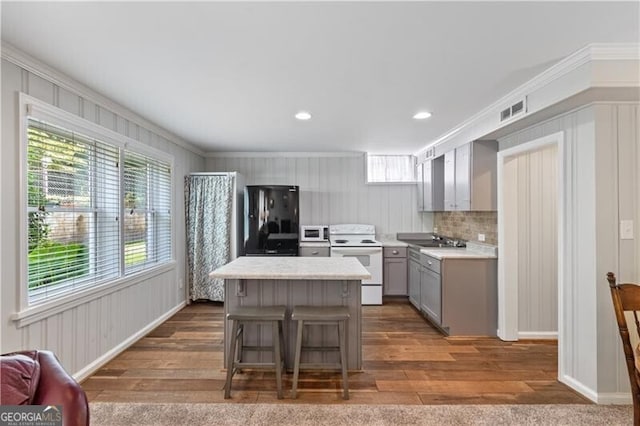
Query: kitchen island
295,281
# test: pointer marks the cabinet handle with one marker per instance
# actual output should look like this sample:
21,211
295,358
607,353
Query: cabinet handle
314,252
429,263
395,252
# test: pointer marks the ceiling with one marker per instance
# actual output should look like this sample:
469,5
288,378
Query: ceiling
229,76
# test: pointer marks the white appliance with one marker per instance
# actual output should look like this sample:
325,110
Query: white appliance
357,240
317,233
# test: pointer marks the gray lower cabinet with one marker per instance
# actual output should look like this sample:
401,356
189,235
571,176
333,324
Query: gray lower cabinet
431,289
457,295
314,251
469,297
414,277
395,271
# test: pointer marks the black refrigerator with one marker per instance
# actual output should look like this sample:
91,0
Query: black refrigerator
271,220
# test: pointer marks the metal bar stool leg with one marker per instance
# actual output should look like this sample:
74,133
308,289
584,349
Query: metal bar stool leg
283,351
231,360
276,356
343,359
296,362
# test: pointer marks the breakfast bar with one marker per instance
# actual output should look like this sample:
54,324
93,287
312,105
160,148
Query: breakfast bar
295,281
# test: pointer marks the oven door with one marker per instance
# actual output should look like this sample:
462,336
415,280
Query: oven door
369,257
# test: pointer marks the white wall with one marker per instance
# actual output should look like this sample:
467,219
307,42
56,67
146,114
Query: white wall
333,190
601,187
81,334
531,220
618,198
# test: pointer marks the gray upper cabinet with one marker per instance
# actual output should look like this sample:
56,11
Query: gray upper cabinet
431,185
470,178
420,179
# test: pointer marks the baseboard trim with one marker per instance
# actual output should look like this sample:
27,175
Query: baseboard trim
580,388
543,335
615,398
602,398
102,360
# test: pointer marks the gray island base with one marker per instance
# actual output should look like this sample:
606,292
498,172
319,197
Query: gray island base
295,281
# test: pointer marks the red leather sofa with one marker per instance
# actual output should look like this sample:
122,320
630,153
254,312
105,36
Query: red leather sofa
37,378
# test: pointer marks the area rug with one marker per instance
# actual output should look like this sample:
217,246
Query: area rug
121,414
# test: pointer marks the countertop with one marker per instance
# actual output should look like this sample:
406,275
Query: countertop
293,268
456,253
474,250
391,242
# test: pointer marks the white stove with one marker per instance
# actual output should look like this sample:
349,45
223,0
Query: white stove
356,240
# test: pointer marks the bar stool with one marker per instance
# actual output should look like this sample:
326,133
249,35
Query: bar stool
321,315
240,316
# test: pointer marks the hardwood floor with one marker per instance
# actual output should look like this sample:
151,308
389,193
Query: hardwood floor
406,361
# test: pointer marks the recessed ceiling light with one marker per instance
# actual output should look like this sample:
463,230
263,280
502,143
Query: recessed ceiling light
422,115
303,115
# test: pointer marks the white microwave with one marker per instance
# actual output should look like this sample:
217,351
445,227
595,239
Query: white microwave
314,233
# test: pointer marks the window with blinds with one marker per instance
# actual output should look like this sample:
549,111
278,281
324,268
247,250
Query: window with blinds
96,211
147,216
391,168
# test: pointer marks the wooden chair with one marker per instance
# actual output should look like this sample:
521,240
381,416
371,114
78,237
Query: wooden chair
626,298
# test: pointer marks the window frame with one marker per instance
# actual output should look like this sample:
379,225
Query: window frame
366,169
30,107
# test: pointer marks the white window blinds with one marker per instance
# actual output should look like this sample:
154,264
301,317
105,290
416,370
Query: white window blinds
96,211
147,215
73,209
391,168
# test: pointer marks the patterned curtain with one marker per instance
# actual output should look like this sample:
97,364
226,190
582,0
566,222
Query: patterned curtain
208,204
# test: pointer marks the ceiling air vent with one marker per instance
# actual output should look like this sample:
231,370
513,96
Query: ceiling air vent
515,109
431,152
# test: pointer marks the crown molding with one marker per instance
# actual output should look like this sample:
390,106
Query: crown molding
590,53
39,68
284,154
614,51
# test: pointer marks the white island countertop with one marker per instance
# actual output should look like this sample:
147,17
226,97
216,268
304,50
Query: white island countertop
292,268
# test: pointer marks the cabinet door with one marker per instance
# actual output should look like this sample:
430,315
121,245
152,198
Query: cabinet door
431,295
414,283
420,186
314,251
463,177
450,180
395,276
427,180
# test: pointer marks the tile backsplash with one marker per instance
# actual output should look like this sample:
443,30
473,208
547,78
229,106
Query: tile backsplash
467,225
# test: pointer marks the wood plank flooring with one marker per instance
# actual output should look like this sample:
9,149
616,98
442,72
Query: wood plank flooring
406,361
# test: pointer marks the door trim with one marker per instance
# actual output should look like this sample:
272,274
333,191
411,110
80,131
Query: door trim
508,294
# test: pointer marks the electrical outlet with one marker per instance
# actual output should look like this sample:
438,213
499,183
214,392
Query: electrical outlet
480,237
180,283
435,229
626,229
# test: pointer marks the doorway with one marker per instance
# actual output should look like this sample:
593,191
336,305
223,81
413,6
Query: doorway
530,226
